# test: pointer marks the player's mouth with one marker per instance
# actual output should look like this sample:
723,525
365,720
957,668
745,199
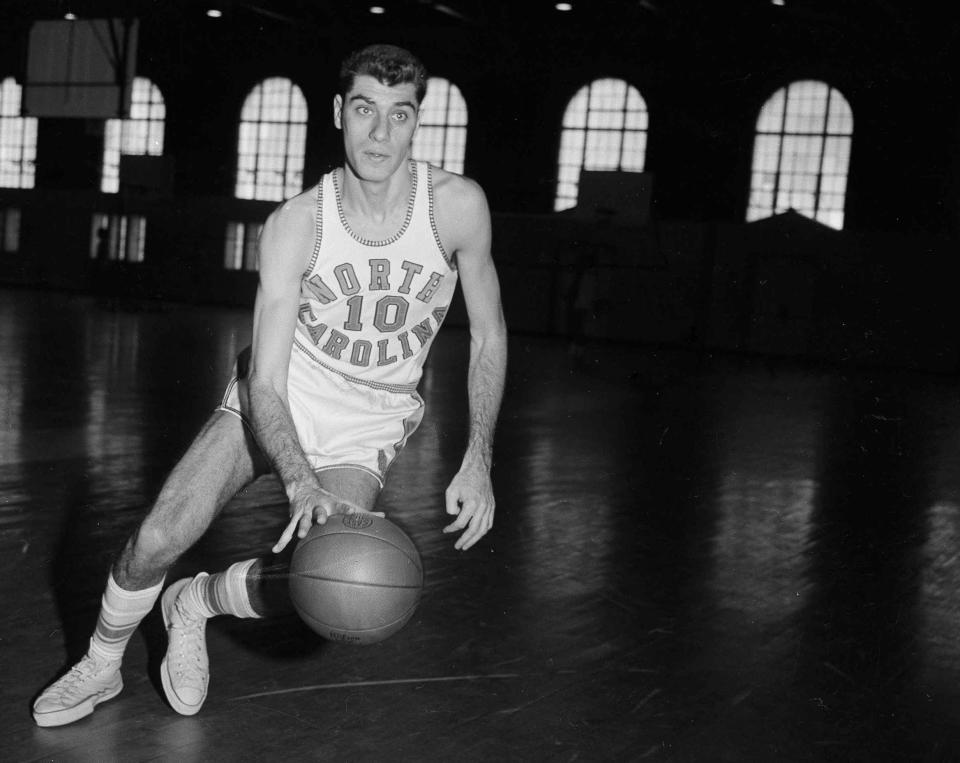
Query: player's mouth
376,156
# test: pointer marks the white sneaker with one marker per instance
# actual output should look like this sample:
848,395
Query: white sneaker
185,670
75,695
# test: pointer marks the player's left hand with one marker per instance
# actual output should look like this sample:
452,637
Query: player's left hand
470,499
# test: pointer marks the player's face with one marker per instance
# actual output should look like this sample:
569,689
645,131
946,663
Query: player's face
378,122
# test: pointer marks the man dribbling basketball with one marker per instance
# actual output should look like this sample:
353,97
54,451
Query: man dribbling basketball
356,276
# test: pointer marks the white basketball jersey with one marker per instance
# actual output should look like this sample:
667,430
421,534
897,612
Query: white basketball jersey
369,310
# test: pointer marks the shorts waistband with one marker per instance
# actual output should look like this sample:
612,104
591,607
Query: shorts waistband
400,389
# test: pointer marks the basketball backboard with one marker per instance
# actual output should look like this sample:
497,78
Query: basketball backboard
81,68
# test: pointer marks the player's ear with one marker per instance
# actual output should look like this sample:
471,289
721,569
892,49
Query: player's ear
338,111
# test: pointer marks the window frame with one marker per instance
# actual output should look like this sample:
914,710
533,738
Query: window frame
252,165
18,138
452,145
836,130
582,126
119,134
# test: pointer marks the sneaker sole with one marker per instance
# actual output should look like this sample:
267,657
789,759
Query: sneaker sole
166,604
75,713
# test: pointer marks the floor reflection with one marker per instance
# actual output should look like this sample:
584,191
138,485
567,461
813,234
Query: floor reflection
693,558
769,443
11,386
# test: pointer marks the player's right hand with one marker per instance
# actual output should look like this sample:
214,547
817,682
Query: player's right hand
314,505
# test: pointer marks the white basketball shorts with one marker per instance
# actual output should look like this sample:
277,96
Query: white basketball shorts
340,423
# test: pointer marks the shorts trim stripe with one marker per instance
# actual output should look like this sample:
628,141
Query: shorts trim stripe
410,425
371,472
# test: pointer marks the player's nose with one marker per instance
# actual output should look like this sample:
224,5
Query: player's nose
379,131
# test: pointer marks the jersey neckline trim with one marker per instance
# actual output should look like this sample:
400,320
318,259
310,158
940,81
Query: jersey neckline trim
433,221
411,201
318,229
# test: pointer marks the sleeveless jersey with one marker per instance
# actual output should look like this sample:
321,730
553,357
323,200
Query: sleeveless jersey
369,310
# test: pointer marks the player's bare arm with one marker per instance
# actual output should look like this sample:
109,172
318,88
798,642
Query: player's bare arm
463,219
285,246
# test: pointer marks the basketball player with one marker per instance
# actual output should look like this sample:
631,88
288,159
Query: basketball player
356,276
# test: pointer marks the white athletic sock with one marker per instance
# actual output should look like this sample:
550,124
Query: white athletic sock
120,613
223,593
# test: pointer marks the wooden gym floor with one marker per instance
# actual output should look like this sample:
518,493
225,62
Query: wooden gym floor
695,559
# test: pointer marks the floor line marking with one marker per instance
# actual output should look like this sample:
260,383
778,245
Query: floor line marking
390,682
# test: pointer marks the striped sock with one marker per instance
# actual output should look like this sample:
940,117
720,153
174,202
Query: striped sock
223,593
120,613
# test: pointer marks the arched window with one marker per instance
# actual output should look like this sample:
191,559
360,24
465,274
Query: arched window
801,154
604,128
441,138
18,139
139,135
272,142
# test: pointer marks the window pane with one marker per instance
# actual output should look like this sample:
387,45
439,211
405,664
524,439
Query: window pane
634,151
10,229
251,238
233,246
603,150
836,156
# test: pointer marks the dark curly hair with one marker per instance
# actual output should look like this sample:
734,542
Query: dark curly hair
389,64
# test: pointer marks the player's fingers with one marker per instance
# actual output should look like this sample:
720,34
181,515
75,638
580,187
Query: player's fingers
306,520
287,533
330,505
453,502
467,510
482,525
479,526
469,537
460,522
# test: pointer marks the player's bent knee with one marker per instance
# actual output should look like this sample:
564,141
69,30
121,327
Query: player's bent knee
155,546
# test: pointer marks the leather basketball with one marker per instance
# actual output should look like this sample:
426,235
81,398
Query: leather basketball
356,579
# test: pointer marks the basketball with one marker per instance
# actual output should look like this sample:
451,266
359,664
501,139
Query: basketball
356,579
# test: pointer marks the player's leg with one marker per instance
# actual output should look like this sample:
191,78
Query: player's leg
222,459
329,411
253,588
258,587
187,505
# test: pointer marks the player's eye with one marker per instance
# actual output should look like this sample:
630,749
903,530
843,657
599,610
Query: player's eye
401,116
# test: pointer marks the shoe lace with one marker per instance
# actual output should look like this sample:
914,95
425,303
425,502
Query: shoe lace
73,682
187,658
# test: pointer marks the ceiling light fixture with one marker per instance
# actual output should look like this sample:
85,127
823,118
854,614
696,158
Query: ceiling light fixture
377,10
